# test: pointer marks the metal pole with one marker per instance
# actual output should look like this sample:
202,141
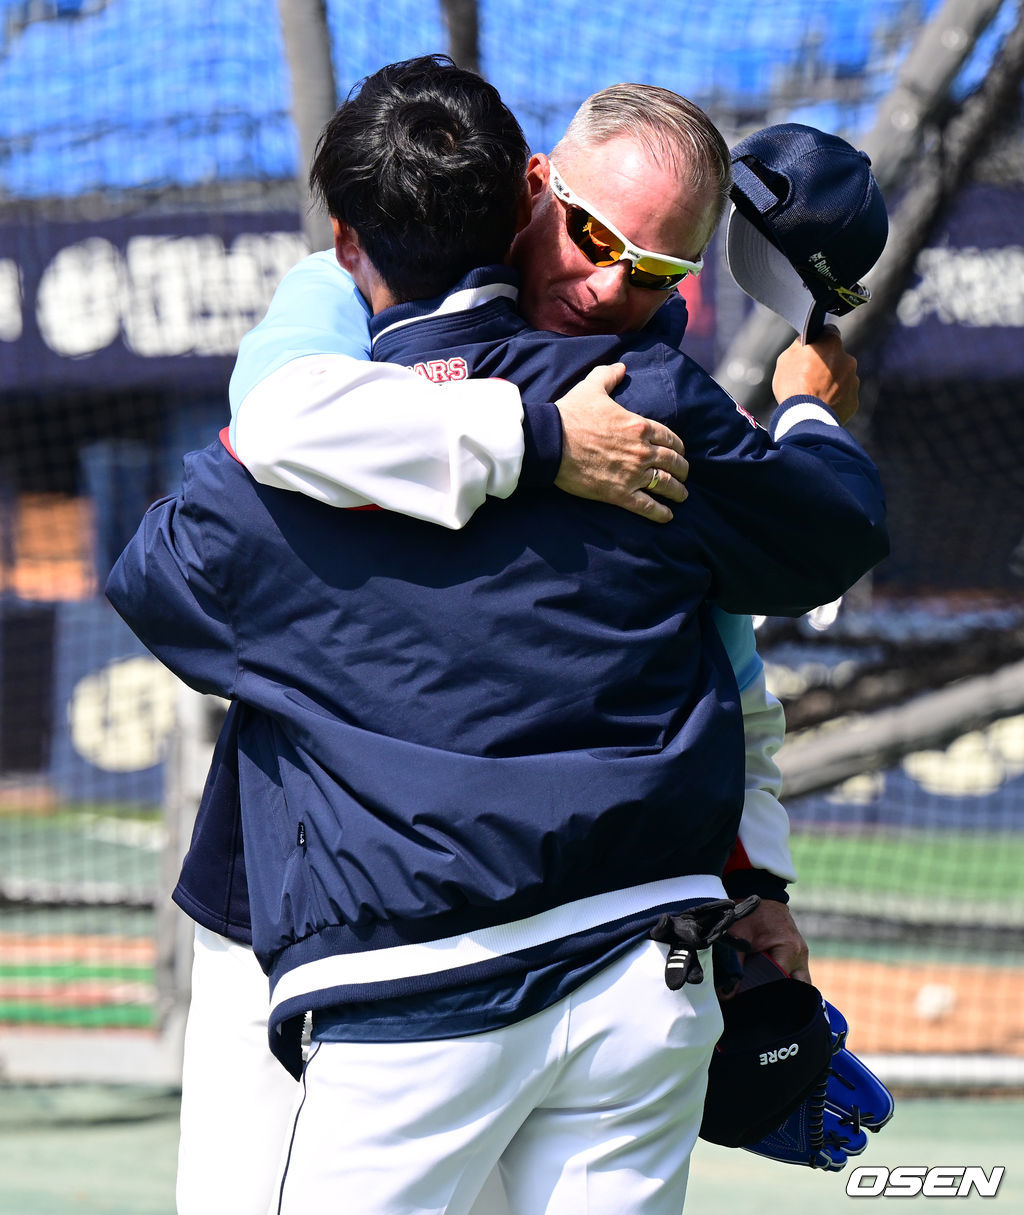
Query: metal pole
463,20
314,97
922,87
965,137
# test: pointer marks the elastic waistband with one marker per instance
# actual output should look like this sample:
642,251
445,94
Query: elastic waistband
483,945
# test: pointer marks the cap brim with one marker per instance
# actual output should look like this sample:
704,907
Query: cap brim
766,275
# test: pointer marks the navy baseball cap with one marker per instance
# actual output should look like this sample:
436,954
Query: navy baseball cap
808,222
775,1049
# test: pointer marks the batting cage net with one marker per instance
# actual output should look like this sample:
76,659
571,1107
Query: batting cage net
150,161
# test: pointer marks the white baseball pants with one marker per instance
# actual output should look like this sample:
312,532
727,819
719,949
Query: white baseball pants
236,1099
592,1106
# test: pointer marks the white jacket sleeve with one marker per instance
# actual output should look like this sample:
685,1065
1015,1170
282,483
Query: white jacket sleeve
310,413
764,827
763,841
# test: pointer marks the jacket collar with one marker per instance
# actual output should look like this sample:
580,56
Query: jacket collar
478,288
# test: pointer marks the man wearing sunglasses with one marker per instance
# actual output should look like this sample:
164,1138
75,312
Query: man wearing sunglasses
604,245
640,280
172,585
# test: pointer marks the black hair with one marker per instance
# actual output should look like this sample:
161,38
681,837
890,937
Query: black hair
427,164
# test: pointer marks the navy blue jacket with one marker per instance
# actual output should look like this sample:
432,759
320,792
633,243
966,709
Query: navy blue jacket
462,754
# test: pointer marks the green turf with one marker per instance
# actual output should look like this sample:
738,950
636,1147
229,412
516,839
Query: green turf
79,810
64,972
81,845
79,921
975,866
99,1016
73,971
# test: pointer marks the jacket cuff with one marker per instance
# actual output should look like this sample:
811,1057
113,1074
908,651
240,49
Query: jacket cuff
741,882
797,409
542,454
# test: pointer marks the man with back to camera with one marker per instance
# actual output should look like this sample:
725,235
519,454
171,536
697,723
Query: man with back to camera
286,433
292,373
205,632
291,435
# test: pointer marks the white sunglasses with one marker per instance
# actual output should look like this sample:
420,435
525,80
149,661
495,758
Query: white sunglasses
603,244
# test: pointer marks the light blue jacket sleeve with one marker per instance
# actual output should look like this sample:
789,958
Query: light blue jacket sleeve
312,413
737,633
316,309
763,840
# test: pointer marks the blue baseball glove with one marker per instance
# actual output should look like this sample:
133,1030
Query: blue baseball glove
827,1127
854,1093
827,1123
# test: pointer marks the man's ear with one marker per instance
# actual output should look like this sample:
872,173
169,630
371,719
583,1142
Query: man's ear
347,248
537,176
524,207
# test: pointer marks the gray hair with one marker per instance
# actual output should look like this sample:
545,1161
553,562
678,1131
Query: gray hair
666,125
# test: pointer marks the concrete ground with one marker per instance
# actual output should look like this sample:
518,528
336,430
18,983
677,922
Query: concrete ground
112,1152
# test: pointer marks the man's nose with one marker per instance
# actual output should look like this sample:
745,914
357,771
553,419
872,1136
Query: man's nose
609,284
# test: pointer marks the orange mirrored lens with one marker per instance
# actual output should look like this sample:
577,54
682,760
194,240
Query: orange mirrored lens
603,248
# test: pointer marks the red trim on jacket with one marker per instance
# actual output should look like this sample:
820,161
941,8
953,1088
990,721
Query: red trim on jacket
738,859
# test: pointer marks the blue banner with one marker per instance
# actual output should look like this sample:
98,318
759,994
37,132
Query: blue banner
136,301
114,709
961,317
